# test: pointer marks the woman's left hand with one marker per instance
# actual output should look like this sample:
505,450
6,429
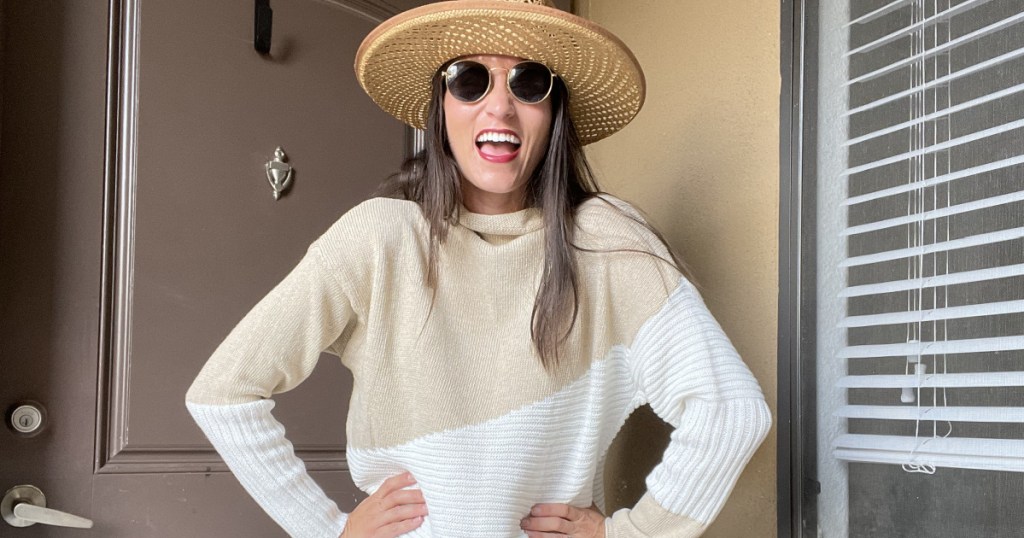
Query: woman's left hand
562,520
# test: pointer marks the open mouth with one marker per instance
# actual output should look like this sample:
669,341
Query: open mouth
498,146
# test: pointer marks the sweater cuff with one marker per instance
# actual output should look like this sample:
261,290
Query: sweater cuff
648,519
253,445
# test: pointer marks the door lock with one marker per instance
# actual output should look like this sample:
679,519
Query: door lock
27,418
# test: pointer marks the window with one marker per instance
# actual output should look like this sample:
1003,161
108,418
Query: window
917,269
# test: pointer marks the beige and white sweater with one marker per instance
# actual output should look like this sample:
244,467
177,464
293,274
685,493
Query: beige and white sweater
454,391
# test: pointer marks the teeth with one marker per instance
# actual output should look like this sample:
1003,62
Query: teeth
491,136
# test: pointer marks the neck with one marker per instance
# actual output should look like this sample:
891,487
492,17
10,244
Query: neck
492,203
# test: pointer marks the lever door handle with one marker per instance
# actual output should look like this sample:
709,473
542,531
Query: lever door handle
49,516
26,505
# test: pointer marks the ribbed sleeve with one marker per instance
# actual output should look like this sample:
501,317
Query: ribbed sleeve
254,447
689,372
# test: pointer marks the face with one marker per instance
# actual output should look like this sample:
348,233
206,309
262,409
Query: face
483,137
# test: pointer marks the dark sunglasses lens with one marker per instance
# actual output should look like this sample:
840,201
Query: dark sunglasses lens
468,81
530,82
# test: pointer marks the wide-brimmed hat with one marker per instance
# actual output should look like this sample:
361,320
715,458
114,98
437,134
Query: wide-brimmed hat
396,62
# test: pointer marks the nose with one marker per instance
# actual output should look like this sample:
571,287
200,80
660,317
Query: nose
499,100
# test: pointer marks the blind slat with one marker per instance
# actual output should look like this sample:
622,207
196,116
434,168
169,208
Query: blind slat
941,81
913,186
963,277
902,32
934,314
973,379
983,454
966,105
884,10
935,51
947,347
988,238
958,209
951,143
936,445
1013,415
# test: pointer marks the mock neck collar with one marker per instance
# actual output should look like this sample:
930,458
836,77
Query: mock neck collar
520,222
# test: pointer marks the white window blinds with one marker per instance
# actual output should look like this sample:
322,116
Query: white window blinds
934,236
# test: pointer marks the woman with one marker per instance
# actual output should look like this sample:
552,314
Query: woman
501,320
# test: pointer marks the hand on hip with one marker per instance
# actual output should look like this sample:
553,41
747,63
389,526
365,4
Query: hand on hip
391,511
563,520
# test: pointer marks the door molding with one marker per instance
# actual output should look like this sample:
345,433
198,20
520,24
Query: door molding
119,183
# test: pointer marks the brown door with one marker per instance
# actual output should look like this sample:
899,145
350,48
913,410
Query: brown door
137,226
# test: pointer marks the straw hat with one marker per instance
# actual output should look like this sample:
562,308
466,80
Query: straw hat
396,62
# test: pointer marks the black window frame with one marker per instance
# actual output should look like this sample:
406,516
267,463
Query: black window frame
797,485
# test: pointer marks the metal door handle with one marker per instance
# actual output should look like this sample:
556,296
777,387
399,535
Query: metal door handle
26,505
49,516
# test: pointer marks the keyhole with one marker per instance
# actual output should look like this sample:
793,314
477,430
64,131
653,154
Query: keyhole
26,418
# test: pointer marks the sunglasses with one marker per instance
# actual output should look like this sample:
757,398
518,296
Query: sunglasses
469,81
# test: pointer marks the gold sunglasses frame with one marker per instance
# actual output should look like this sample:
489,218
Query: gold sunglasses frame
448,75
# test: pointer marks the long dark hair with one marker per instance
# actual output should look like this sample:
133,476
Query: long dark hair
562,181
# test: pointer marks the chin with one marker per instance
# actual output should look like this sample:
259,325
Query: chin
497,186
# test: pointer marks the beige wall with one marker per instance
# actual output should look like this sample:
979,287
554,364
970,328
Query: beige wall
702,159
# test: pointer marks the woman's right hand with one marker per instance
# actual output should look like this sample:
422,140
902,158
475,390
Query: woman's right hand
391,511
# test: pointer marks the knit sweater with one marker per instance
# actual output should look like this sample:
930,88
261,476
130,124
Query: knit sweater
448,384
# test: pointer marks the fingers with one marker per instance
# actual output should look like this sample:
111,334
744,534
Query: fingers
549,525
403,512
398,506
555,510
395,483
404,496
399,528
400,497
389,512
550,520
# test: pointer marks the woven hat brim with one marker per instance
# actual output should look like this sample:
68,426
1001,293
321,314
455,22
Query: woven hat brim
396,62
